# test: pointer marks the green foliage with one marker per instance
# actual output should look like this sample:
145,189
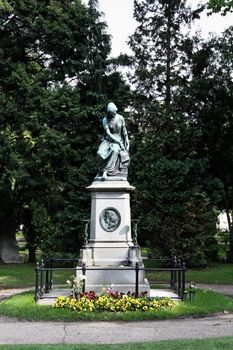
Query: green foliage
55,81
182,113
175,195
208,100
161,47
222,6
54,85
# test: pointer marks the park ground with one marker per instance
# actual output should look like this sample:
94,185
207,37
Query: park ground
209,332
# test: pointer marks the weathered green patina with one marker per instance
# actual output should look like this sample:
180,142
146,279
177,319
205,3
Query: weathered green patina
113,156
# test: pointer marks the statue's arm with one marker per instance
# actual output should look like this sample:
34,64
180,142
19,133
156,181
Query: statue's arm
112,137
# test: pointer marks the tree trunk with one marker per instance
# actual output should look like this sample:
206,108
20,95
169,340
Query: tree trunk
31,254
9,249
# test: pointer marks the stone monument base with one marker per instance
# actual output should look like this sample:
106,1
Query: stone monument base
120,279
110,254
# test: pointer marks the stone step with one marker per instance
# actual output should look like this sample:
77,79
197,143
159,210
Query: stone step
49,298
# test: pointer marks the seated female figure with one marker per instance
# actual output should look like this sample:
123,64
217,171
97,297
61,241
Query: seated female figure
113,157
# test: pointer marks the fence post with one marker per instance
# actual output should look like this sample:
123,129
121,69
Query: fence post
41,277
50,273
179,277
183,281
136,278
37,269
84,273
174,274
47,276
172,282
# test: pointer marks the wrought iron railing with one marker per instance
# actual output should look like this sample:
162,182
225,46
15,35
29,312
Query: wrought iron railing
44,275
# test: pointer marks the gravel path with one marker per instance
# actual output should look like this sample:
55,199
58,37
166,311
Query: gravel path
7,293
226,289
24,332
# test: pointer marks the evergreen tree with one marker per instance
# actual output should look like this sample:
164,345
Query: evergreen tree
160,47
176,194
53,62
223,6
208,101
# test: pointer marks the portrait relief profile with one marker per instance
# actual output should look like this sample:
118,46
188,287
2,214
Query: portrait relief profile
110,219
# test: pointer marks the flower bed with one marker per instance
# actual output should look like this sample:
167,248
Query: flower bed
114,302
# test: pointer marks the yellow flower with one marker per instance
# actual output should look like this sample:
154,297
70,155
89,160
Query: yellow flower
109,303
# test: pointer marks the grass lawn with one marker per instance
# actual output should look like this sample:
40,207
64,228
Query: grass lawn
17,276
214,274
23,275
206,344
23,306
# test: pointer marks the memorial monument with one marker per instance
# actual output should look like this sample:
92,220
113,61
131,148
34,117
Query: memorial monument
110,254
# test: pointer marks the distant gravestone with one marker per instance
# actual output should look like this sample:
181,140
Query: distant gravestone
9,249
222,223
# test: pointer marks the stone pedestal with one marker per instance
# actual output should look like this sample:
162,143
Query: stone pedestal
110,246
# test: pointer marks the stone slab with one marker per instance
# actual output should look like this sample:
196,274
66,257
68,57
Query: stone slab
110,185
110,254
49,298
107,277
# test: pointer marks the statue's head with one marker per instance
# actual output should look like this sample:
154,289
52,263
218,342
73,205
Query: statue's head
111,110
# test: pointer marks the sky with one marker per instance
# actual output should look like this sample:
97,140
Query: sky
121,24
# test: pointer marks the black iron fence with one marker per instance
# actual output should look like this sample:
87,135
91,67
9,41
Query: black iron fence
45,280
45,273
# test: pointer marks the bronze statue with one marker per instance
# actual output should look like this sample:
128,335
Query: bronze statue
113,156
